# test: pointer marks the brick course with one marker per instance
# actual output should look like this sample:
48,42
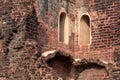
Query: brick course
28,28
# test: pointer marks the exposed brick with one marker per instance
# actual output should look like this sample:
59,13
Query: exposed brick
28,28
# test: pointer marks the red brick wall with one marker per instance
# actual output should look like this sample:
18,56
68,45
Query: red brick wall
104,15
24,36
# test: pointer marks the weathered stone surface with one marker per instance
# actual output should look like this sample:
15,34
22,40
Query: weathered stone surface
29,28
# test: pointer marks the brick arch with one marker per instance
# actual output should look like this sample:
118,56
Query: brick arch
61,63
88,69
63,29
91,71
64,65
85,29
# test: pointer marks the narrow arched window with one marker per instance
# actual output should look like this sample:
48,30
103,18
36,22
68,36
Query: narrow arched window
85,30
63,28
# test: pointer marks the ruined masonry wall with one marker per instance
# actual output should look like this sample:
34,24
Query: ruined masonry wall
28,28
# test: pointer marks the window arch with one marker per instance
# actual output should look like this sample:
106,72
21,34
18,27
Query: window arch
85,30
63,28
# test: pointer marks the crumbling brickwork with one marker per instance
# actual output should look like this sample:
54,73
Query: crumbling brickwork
30,48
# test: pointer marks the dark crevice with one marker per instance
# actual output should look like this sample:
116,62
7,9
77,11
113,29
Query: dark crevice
61,64
83,67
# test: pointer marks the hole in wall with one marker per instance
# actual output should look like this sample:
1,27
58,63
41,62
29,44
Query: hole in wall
61,64
46,30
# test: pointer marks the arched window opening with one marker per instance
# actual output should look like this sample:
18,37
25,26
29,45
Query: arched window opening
84,30
63,28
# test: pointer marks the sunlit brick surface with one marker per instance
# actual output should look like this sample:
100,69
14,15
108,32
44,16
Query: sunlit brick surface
29,28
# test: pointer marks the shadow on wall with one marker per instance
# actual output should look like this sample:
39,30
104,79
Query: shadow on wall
42,37
31,25
36,30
